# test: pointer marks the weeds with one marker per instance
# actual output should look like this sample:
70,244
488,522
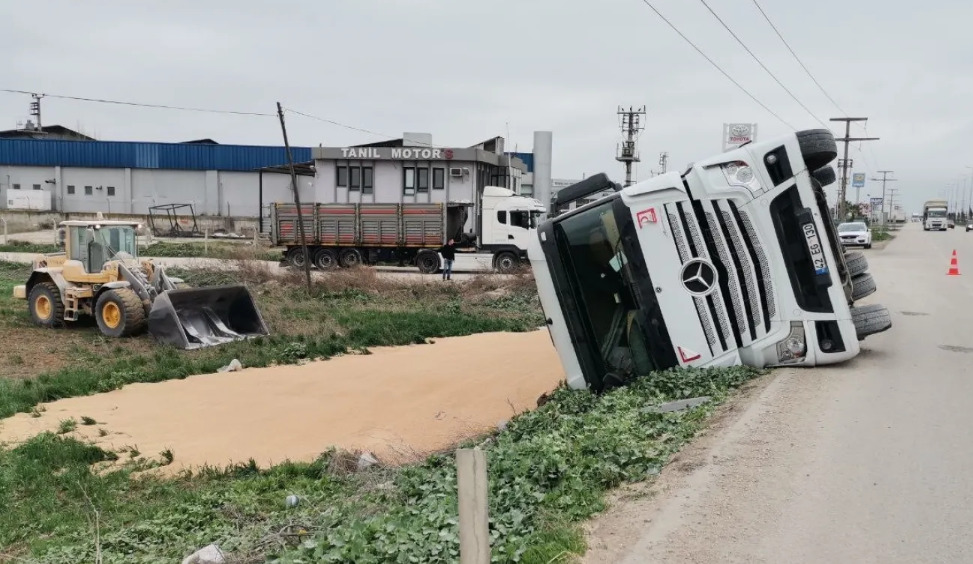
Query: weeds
85,420
67,426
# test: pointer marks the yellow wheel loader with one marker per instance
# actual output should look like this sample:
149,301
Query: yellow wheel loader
99,274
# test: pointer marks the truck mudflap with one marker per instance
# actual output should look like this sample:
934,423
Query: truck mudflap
194,318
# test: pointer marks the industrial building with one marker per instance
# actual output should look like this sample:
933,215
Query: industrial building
68,172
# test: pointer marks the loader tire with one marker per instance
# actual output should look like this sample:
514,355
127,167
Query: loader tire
46,307
856,263
818,147
120,313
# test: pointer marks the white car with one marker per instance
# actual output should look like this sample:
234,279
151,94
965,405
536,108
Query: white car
855,234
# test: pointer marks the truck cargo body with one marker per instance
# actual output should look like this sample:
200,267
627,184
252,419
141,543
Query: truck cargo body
353,234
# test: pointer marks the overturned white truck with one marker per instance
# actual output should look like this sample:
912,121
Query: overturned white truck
736,260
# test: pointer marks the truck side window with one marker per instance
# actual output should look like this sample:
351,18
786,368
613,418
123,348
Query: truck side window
502,217
520,219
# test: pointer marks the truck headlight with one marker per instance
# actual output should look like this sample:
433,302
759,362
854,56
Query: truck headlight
739,173
794,347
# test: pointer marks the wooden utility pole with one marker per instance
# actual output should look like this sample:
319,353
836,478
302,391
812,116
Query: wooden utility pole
884,179
297,197
840,207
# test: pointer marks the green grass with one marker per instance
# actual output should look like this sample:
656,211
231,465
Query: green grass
197,249
881,234
548,472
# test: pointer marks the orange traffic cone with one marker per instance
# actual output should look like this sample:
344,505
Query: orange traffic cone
953,266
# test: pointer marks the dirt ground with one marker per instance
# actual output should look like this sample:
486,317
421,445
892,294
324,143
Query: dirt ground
398,403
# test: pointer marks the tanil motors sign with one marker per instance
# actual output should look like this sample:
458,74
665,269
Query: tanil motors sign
393,153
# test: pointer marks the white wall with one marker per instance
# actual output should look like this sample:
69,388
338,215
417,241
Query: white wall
26,177
157,187
100,180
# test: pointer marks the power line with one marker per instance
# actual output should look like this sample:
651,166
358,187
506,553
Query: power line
136,104
700,51
759,62
339,124
825,92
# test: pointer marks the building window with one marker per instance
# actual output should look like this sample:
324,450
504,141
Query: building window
70,189
438,178
37,186
16,186
367,179
422,181
354,176
409,180
87,190
342,176
111,190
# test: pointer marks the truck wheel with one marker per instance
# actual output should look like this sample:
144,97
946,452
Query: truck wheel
295,256
350,258
119,313
428,262
818,147
862,286
870,319
505,262
825,176
325,259
46,307
856,263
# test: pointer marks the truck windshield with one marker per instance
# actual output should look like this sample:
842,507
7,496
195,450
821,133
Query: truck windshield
937,213
616,303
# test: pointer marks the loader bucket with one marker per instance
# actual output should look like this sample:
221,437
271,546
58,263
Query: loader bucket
194,318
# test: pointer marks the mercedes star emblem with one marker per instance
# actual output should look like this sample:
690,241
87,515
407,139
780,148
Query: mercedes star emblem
699,277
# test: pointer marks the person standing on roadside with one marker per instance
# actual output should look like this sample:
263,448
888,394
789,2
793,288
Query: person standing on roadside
449,255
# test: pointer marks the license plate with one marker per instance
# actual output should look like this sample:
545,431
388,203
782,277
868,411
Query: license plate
817,251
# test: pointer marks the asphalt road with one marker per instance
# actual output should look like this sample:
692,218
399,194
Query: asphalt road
871,461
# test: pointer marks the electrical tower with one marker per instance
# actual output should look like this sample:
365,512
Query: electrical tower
664,161
35,108
631,124
884,179
840,207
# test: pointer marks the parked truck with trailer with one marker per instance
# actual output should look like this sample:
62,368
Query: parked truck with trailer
733,261
348,235
935,215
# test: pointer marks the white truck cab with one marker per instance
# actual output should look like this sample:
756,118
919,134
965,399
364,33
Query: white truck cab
735,260
507,222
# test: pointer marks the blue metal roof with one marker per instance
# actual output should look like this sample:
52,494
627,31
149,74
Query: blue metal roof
125,154
528,159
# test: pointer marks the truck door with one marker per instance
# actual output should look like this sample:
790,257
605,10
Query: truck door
517,228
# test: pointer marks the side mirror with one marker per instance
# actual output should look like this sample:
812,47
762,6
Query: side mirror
61,236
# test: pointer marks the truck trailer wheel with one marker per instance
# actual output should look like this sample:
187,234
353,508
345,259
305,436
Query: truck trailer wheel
862,286
325,259
350,258
870,319
505,262
818,147
295,256
119,313
46,307
428,262
856,263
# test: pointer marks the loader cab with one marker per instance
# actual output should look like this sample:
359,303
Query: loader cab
95,243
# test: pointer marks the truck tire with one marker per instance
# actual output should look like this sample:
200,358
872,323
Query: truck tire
325,259
825,176
46,307
428,262
870,319
505,262
856,263
818,147
119,313
350,258
862,286
295,256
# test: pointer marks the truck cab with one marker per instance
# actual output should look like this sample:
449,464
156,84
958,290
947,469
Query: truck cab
733,261
507,222
935,215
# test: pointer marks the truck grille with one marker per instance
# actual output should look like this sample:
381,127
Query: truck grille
738,312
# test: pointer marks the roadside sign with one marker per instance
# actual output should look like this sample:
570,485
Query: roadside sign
858,180
876,202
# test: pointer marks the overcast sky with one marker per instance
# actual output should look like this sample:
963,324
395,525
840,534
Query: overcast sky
462,70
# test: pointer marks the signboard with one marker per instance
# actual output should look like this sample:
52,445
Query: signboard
876,202
858,180
736,134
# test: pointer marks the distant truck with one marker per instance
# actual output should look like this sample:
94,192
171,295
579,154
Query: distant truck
346,235
934,215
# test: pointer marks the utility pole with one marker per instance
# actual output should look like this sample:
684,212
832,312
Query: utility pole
630,121
297,198
892,192
844,168
35,108
664,161
884,179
